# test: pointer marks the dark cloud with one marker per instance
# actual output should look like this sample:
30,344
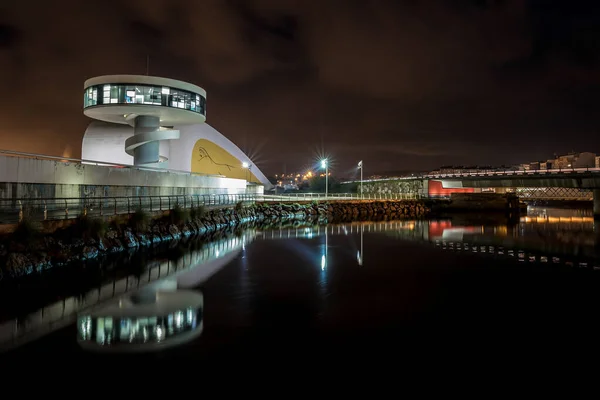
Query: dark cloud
411,84
9,36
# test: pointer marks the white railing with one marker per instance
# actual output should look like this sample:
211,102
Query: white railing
518,173
338,196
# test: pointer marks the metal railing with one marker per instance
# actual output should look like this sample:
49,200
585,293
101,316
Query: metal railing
13,210
42,209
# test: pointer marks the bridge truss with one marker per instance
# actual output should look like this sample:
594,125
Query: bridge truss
554,193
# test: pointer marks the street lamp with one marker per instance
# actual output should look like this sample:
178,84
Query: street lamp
326,166
360,166
246,166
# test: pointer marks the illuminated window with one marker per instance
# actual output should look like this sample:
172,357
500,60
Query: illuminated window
144,94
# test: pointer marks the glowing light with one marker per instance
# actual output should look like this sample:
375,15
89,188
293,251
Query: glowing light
323,262
324,163
245,164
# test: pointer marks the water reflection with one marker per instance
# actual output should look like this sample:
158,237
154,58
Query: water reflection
189,270
543,235
169,319
359,253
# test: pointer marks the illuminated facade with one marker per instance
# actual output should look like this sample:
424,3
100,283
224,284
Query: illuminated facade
164,96
158,122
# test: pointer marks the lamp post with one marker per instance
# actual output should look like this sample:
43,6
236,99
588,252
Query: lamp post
325,165
246,166
360,166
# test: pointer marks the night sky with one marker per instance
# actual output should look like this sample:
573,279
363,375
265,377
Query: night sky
403,85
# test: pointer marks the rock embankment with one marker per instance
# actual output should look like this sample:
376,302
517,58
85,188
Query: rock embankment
28,250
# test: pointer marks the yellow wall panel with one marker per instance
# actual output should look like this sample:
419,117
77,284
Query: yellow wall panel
212,159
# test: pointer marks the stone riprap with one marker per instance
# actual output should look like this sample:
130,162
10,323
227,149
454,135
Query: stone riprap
22,256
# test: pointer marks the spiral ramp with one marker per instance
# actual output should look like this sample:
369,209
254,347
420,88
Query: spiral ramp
140,139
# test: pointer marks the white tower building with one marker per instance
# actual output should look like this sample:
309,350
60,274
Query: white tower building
151,105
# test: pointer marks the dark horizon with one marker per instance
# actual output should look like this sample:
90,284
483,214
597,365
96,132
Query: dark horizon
401,85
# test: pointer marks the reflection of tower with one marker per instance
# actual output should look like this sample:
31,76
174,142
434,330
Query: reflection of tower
152,105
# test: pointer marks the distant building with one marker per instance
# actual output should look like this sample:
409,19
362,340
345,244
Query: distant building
522,167
451,169
585,160
575,160
571,160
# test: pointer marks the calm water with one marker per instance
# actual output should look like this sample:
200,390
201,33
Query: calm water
411,290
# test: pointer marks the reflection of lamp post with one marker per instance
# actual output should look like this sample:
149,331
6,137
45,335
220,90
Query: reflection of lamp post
359,254
324,256
360,166
325,165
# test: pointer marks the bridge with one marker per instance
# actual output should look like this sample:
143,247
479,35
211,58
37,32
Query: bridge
579,178
549,184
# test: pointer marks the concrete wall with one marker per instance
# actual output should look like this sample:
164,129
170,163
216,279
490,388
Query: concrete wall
32,178
480,201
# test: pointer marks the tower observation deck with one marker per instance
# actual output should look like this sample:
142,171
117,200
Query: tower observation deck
151,105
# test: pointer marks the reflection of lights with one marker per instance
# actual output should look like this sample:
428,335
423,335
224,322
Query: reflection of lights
323,262
85,327
160,333
555,220
178,319
131,330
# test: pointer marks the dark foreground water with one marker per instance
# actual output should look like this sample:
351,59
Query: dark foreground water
419,293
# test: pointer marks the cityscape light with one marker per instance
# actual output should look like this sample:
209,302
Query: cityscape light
246,166
325,165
